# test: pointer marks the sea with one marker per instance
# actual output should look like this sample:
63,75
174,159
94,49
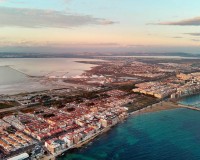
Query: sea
165,135
24,74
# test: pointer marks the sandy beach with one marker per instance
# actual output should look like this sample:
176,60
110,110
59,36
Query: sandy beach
161,106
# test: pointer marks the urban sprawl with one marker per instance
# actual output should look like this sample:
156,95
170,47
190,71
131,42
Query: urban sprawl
46,124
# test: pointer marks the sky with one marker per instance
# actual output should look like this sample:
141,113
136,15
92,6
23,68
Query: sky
76,26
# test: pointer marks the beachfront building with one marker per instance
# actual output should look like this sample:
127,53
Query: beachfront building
54,145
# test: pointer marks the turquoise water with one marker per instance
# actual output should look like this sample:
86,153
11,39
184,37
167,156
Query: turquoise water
166,135
193,100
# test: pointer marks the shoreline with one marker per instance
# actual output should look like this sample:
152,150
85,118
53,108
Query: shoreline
80,144
157,107
185,96
161,106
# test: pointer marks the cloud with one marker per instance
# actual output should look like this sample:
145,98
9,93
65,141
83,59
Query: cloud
25,42
37,18
135,45
102,44
193,34
107,22
186,22
195,40
177,37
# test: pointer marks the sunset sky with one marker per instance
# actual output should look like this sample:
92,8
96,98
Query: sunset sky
100,26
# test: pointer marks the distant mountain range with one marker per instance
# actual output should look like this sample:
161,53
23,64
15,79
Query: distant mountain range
88,55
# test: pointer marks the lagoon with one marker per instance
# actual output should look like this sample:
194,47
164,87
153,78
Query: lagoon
16,74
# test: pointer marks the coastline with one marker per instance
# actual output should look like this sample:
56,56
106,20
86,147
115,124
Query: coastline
157,107
80,144
184,96
161,106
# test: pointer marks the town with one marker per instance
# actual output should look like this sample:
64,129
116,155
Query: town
56,129
43,125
